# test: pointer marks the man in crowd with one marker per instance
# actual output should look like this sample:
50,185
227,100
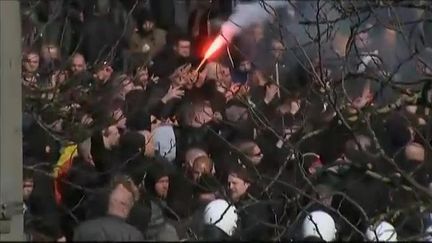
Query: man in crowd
113,226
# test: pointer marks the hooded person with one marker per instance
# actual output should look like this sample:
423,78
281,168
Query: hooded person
157,184
148,38
220,221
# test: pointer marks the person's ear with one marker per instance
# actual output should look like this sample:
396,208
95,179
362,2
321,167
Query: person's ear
109,69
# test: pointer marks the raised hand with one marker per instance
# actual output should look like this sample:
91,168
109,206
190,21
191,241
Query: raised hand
173,93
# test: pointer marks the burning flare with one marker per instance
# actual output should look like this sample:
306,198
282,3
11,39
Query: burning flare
228,31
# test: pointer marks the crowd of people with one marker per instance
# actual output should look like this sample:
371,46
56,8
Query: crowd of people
125,140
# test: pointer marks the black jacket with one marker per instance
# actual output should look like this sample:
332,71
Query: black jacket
253,217
108,228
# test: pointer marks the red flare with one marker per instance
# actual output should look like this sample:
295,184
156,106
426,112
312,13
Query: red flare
217,44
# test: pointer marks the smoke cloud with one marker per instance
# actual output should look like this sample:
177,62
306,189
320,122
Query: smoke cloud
247,14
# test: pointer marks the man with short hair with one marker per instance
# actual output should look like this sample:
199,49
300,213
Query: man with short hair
183,47
113,227
252,216
31,63
78,64
104,151
172,58
201,166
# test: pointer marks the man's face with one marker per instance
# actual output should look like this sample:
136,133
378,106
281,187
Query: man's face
142,75
119,118
113,136
148,26
258,32
122,199
27,188
256,155
78,65
103,74
183,48
245,66
50,52
191,155
31,64
199,169
58,77
223,74
162,186
277,49
204,115
237,187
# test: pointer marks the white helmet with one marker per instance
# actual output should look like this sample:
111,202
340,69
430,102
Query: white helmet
319,224
222,215
383,232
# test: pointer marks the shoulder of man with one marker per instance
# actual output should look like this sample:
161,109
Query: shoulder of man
160,32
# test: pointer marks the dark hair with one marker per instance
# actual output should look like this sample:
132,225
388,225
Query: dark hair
138,120
142,16
29,51
49,67
157,170
397,128
241,171
137,60
181,37
130,143
27,174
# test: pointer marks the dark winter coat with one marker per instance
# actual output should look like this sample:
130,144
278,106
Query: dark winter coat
108,228
253,218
